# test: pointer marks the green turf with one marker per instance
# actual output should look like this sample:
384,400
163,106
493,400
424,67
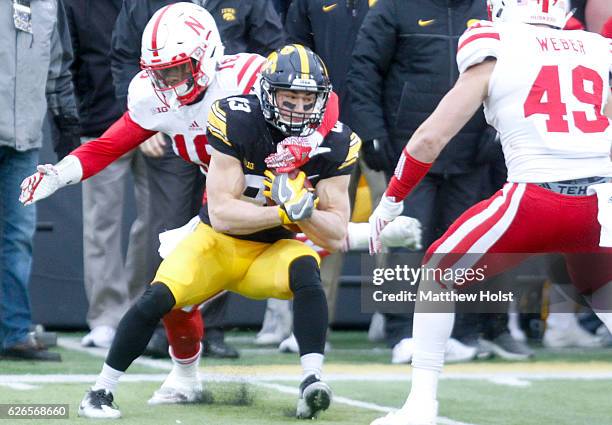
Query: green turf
558,402
72,363
264,406
552,402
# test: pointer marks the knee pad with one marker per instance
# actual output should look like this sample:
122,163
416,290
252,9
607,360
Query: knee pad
156,301
303,273
185,331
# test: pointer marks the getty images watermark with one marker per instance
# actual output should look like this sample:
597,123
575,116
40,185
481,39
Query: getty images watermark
396,286
449,277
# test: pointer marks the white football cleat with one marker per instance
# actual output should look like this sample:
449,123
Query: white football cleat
457,352
290,345
403,351
98,404
414,412
180,389
569,334
315,396
100,336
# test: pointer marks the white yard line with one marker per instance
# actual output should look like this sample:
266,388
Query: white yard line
74,344
353,403
18,386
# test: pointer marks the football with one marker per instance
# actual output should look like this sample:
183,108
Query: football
270,202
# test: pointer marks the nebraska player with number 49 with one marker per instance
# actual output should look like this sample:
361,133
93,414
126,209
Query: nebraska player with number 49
546,91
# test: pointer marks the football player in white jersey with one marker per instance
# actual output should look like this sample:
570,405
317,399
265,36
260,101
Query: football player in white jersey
546,91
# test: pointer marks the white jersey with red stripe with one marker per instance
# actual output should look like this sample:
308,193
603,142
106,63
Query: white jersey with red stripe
546,97
186,126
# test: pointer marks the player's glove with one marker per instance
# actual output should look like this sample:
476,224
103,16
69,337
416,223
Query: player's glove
39,185
386,211
293,152
402,232
282,187
49,178
299,207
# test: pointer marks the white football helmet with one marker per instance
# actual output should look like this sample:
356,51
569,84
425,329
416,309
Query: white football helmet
180,49
547,12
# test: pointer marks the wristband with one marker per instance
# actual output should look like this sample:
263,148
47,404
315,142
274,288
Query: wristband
408,173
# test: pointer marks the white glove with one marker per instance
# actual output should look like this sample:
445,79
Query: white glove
386,211
49,178
402,232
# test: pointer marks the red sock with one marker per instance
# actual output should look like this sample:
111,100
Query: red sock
185,331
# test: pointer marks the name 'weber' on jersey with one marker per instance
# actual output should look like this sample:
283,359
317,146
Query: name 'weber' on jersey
546,97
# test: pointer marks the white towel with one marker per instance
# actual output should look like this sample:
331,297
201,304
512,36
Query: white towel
604,211
169,239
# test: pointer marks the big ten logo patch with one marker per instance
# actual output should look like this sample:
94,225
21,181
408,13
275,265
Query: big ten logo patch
248,164
228,14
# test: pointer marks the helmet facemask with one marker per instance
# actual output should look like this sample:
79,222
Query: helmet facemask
296,111
180,49
182,81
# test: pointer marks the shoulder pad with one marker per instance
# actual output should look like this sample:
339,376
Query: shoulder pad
143,104
344,145
234,118
239,72
478,42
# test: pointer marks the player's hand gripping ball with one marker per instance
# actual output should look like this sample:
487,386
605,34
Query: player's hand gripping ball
295,195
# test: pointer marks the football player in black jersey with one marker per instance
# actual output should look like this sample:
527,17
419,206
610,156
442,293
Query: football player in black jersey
246,240
244,245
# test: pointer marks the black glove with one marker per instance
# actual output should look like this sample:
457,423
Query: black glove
66,135
378,154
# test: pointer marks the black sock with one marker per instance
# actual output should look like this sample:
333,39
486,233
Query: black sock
309,305
137,326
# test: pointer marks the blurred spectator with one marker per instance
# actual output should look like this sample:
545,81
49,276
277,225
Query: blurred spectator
282,6
111,283
403,64
35,57
175,185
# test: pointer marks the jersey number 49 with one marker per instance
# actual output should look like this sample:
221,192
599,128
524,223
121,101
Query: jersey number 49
547,84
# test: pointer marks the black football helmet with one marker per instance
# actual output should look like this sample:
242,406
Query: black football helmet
294,68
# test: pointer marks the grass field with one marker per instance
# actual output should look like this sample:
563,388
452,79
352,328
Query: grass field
569,387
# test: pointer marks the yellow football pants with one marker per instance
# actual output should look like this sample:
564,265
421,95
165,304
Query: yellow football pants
207,262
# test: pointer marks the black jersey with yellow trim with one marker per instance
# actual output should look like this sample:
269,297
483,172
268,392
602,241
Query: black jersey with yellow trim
236,127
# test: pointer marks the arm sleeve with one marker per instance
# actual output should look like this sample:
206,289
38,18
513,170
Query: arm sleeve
216,130
265,29
298,25
372,55
125,52
120,138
